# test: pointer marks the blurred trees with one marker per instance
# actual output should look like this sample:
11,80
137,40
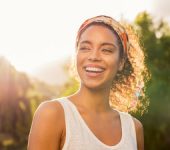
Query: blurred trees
19,98
155,37
20,95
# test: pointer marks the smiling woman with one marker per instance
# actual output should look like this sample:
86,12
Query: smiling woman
110,65
97,56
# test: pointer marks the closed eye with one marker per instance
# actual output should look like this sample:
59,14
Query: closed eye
84,48
107,50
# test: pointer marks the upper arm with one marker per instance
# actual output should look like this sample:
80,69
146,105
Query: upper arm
139,134
46,129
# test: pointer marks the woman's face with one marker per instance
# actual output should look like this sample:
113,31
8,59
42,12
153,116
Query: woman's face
98,57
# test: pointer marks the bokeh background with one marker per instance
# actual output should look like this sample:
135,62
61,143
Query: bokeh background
37,40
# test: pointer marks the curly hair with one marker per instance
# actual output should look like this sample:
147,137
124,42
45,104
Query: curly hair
128,88
128,91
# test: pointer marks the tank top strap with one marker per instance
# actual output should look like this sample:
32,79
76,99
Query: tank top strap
67,119
69,112
72,123
128,127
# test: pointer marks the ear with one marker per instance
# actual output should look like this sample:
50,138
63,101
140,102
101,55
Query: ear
121,64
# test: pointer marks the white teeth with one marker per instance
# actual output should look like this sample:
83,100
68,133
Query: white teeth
94,69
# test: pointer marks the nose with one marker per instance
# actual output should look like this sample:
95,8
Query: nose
94,55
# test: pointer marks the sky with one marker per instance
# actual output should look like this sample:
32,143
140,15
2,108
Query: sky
36,32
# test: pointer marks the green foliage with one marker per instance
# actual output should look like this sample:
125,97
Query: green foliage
70,87
156,41
20,95
19,98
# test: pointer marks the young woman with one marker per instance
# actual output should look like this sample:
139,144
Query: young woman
110,65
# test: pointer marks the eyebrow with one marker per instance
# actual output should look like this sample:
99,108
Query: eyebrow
85,42
103,44
106,43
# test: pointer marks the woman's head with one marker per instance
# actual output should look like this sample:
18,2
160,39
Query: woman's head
111,24
122,60
98,57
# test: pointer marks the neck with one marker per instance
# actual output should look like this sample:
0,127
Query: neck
93,100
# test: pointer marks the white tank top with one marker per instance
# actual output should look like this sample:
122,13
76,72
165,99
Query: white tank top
80,137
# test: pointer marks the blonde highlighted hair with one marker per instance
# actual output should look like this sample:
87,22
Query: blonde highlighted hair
128,89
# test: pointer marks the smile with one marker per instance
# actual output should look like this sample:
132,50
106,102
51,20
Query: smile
94,69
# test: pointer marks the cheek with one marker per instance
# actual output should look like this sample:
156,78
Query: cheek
81,58
79,62
114,65
78,59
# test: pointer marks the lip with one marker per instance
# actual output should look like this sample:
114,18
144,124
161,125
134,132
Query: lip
94,65
94,74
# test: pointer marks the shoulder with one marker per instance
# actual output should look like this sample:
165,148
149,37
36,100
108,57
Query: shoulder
49,113
49,110
138,125
49,107
138,129
47,125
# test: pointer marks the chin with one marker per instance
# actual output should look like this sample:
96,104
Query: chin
94,85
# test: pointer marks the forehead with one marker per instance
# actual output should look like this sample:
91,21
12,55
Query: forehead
98,33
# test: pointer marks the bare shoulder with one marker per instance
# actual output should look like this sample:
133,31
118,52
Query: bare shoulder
138,125
139,134
49,110
47,126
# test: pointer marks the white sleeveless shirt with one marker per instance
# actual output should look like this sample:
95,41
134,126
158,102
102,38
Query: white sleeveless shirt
80,137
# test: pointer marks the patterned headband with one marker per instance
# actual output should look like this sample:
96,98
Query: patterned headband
112,23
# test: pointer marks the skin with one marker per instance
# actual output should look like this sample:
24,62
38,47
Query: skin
97,47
